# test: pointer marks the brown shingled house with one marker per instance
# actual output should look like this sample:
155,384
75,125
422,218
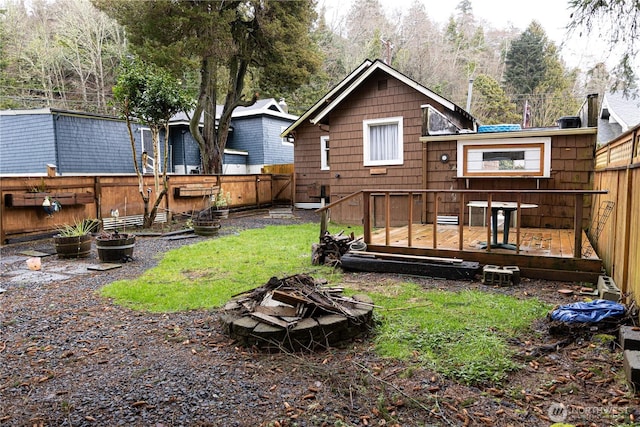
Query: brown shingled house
378,129
366,133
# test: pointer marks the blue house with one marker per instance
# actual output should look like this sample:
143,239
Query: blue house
85,143
254,139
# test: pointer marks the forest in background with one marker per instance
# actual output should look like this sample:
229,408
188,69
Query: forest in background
66,54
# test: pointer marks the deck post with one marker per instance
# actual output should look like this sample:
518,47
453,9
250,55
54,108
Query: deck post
436,197
489,221
577,226
387,217
518,219
366,211
461,210
410,224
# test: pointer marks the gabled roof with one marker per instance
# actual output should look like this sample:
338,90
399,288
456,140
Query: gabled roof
618,114
351,83
268,107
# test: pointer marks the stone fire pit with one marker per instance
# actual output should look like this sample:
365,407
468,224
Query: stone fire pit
296,313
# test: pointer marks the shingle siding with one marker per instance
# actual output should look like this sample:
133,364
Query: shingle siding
90,145
260,137
27,143
184,149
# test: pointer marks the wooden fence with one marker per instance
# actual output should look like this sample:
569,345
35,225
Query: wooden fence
615,225
21,211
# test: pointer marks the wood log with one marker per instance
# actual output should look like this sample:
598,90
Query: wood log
289,298
458,271
271,320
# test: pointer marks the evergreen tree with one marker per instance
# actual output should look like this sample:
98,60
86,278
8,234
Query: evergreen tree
490,105
227,41
525,64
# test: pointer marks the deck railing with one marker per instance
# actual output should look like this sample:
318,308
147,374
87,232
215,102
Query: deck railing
464,198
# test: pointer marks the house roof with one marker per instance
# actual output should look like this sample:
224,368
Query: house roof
351,83
49,110
618,114
269,107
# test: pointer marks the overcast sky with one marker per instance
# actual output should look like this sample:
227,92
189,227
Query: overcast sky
553,15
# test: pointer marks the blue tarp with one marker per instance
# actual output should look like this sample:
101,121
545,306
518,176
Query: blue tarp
587,312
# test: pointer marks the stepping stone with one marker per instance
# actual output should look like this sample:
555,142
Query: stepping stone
34,253
103,267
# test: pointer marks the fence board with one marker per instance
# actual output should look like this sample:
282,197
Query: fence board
21,211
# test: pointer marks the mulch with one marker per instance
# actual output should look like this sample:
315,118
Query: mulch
72,358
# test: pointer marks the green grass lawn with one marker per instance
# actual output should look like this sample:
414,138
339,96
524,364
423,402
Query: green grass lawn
459,334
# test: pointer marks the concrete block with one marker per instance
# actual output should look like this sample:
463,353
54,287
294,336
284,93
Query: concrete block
515,273
632,366
607,289
630,338
494,275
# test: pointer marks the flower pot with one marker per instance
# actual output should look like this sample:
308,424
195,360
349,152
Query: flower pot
220,213
206,227
115,249
73,247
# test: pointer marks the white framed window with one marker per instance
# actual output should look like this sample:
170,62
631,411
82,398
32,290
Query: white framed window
285,140
383,141
505,158
325,163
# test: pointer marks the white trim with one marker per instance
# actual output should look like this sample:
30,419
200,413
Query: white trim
327,97
378,65
324,165
547,132
366,125
283,139
546,166
237,152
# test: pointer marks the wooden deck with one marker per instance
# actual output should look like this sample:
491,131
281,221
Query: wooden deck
533,241
544,253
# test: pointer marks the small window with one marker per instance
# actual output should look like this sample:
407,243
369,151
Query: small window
383,142
325,163
503,158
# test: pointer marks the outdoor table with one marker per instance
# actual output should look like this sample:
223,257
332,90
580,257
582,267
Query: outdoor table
507,208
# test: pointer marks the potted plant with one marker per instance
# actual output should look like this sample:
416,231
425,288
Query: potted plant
220,205
74,240
115,246
205,223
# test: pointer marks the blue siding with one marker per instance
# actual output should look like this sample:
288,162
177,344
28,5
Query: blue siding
185,150
247,136
27,144
235,159
275,151
94,145
260,136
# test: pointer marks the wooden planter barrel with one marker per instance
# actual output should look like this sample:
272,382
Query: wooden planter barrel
206,227
113,249
72,247
220,213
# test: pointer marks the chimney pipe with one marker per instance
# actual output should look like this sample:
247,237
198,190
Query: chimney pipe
469,93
